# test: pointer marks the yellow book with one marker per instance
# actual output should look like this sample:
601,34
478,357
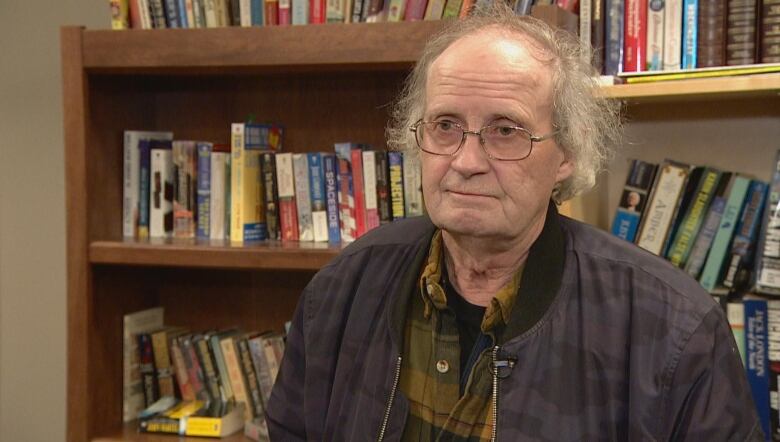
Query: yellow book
720,71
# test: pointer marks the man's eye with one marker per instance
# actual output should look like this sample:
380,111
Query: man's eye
445,126
506,131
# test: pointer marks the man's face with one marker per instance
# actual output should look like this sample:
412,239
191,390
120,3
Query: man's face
488,79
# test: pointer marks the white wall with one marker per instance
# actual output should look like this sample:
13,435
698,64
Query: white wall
32,215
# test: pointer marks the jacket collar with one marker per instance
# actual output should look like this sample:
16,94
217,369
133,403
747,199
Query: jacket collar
539,285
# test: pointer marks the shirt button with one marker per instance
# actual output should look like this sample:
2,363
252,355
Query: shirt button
442,366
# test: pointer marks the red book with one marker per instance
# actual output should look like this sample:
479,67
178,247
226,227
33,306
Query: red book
284,12
271,12
317,11
288,214
635,26
360,196
415,10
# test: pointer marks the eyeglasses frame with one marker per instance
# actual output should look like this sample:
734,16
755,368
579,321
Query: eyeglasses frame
533,138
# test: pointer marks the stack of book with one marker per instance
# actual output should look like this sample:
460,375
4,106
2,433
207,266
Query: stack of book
250,190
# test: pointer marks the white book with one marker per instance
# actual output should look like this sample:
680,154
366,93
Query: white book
161,194
413,199
672,52
245,11
665,197
335,11
218,186
145,15
144,321
300,12
434,10
302,197
189,6
586,7
131,177
369,189
655,35
210,11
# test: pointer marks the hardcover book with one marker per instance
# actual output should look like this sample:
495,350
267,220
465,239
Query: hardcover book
635,36
614,37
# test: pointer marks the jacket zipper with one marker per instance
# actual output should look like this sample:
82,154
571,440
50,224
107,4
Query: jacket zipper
494,430
390,401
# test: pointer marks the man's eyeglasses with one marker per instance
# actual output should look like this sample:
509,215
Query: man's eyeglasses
499,141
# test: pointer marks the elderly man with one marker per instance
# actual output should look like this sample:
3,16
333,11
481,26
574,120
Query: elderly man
497,318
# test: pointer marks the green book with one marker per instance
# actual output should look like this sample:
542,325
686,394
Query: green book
693,218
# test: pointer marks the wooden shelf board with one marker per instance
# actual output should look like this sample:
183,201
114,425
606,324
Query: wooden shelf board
679,90
214,254
129,433
234,49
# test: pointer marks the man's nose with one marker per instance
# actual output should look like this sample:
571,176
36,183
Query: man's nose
471,158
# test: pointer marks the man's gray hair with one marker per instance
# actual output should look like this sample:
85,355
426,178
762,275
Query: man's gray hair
589,126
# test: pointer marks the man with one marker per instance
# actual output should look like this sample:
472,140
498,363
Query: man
496,318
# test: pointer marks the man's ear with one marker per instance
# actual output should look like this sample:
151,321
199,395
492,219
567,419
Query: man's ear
565,169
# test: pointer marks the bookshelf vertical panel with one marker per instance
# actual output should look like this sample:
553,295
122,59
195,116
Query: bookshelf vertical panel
74,84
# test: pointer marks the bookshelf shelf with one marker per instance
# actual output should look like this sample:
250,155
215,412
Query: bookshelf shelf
220,254
129,433
745,86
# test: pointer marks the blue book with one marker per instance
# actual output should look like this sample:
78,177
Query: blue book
757,368
203,191
634,199
705,237
317,193
144,166
331,171
746,233
720,245
172,13
690,31
183,21
257,12
613,37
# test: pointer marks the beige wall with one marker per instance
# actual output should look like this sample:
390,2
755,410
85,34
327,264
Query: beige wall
32,215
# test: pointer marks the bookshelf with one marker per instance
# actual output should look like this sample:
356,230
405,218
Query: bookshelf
325,84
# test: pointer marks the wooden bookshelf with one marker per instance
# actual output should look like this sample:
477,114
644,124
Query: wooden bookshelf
324,83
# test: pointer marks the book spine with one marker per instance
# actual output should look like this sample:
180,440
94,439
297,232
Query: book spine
597,31
383,188
415,10
741,35
757,359
767,276
248,370
257,9
162,363
204,191
635,32
655,34
157,11
632,203
717,255
357,10
318,11
746,235
613,45
284,13
300,165
769,31
413,199
144,164
217,193
210,13
451,10
209,368
189,13
585,23
184,189
359,192
706,235
300,12
711,47
119,14
693,218
673,32
334,11
773,356
161,194
171,13
319,212
245,13
288,214
330,168
252,206
261,367
369,189
271,194
271,358
219,361
346,192
180,369
396,177
690,33
735,313
237,158
434,10
147,369
665,196
229,352
195,373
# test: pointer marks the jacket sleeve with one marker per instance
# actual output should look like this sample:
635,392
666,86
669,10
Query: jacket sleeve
285,409
709,397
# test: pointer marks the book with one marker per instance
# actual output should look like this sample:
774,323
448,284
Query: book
415,10
203,229
714,264
634,199
181,371
147,369
131,176
395,163
143,321
673,31
300,165
219,360
257,353
735,313
346,192
358,187
721,71
120,18
709,227
171,10
693,217
196,418
369,189
434,10
690,33
330,167
318,202
413,198
585,23
271,194
195,374
688,195
773,357
157,12
248,370
220,177
614,37
635,36
711,43
769,31
161,340
597,29
257,430
184,195
656,15
237,381
161,194
247,215
741,32
664,198
300,12
209,366
383,188
767,275
317,11
757,366
288,213
746,235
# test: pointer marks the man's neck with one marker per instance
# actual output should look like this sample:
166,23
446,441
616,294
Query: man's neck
478,268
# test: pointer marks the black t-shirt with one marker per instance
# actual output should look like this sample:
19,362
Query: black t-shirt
468,317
